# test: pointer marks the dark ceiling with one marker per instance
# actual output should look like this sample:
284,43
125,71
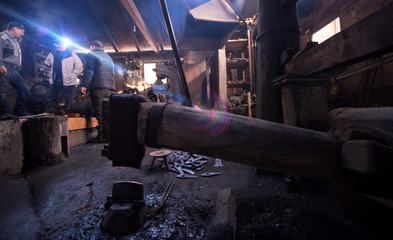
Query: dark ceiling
123,25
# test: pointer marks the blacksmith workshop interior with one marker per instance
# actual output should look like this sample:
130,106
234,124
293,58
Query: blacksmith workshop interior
196,119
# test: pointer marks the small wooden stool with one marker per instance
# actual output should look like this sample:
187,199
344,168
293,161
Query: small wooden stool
160,154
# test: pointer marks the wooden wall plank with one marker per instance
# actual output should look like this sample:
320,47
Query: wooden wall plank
81,123
132,9
315,14
363,38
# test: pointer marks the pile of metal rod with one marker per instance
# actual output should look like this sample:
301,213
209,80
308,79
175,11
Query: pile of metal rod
185,164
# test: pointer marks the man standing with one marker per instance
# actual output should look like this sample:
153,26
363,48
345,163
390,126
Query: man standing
10,64
98,77
65,69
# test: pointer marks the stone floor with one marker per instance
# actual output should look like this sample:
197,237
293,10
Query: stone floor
66,201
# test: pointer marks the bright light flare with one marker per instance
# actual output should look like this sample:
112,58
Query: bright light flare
41,29
211,122
66,42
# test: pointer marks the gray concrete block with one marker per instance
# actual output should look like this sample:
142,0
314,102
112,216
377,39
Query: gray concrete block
11,147
81,136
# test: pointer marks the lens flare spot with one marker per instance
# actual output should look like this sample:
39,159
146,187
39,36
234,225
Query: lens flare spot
212,122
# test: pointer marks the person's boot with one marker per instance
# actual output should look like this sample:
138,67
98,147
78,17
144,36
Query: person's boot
95,140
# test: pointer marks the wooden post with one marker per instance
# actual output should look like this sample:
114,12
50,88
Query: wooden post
222,77
45,141
268,145
277,31
243,71
250,58
249,104
223,223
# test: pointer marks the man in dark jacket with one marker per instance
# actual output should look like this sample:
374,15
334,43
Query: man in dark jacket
98,77
10,64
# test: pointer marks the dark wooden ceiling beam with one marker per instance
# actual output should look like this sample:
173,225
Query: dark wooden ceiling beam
129,25
159,36
362,40
105,28
131,8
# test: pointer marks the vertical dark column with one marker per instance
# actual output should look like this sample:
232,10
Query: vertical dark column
175,50
277,31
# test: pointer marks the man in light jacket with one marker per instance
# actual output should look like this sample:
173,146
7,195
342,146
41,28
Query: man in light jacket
65,69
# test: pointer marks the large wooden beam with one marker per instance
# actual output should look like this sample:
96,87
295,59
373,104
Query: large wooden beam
370,36
313,15
105,28
349,12
129,25
159,36
356,123
250,141
81,123
147,56
255,142
131,8
367,134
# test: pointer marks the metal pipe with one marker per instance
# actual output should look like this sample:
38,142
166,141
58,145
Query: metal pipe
172,38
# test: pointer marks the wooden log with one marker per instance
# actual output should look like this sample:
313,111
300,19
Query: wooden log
363,123
45,141
367,157
268,145
223,223
367,134
81,123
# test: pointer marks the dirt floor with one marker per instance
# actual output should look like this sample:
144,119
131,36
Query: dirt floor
66,201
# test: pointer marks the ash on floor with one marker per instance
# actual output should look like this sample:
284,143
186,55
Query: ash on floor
66,201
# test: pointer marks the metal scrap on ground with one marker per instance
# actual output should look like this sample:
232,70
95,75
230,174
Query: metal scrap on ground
185,164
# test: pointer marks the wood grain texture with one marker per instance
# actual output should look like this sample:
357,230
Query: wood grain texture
250,141
81,123
364,38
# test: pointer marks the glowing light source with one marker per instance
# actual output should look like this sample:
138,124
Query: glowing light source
150,75
327,31
66,42
41,29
